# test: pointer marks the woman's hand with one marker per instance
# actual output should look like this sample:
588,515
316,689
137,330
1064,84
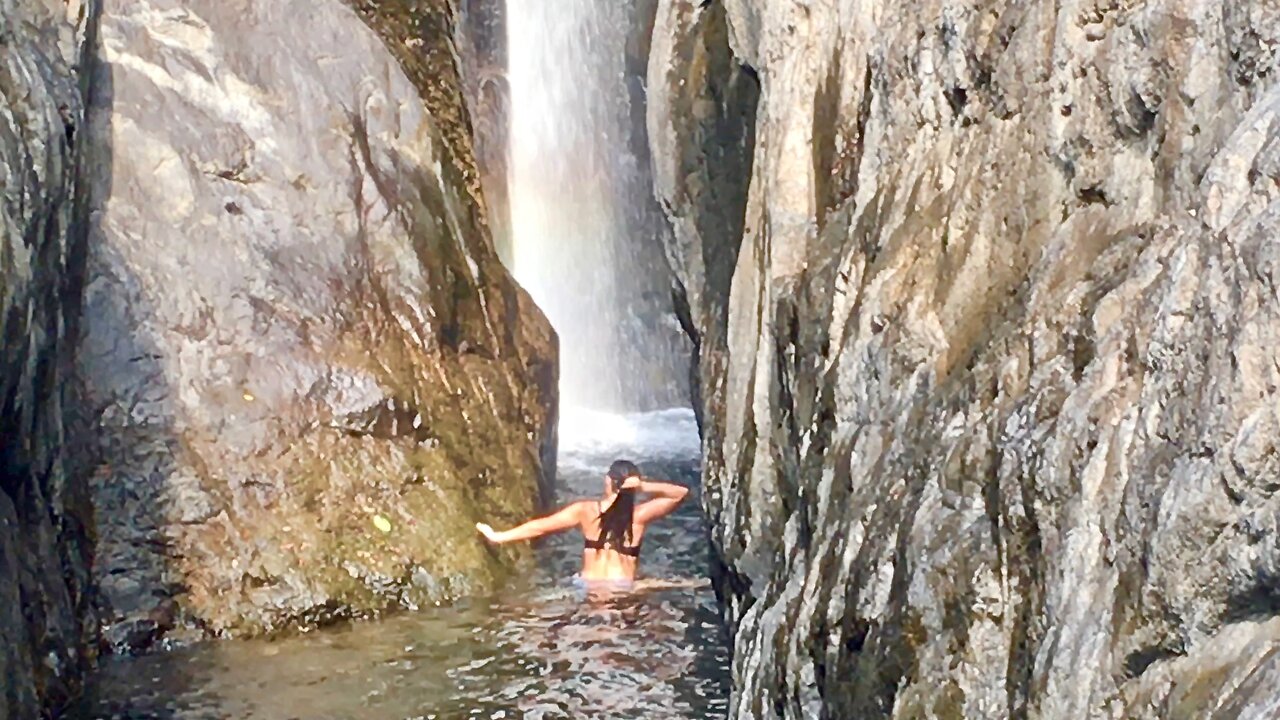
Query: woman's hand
631,483
665,498
489,533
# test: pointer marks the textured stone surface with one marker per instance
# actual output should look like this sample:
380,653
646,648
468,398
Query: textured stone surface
298,332
43,512
481,37
991,416
701,130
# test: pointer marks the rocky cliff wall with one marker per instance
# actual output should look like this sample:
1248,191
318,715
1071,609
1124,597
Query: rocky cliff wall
44,514
307,372
989,399
480,33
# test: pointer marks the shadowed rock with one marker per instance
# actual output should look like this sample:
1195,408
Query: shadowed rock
44,514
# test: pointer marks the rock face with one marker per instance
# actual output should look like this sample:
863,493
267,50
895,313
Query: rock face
990,399
701,107
308,373
44,538
481,37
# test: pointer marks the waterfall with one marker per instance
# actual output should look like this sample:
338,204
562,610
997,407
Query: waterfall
586,229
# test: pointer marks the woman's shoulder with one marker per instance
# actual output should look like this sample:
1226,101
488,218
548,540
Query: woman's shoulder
583,506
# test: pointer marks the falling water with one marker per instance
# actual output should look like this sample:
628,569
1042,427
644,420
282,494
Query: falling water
586,228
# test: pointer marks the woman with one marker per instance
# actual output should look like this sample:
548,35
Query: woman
612,526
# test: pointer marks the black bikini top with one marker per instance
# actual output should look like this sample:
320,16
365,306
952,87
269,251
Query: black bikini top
598,544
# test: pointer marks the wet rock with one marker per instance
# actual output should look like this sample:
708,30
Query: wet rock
44,536
701,127
481,37
309,373
988,402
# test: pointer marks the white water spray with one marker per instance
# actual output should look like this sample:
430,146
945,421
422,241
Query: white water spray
586,244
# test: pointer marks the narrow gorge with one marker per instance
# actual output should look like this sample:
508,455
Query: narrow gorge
976,304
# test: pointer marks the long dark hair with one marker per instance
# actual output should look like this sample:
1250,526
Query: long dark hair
615,521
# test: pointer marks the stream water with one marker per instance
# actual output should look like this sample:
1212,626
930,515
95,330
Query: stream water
539,650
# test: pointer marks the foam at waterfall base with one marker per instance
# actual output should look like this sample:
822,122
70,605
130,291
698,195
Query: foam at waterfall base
591,439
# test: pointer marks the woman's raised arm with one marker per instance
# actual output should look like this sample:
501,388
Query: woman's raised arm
569,516
666,498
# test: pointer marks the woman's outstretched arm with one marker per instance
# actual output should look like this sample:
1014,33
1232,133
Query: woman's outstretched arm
666,498
569,516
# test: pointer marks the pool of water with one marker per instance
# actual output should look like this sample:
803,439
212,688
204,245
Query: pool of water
542,649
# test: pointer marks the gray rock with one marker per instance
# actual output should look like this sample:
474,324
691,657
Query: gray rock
989,401
43,511
701,128
481,37
297,331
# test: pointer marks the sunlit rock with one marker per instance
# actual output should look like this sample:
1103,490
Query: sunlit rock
990,398
309,373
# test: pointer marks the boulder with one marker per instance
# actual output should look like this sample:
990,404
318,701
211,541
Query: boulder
308,374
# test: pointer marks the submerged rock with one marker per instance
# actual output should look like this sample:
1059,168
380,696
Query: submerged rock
989,402
309,373
44,538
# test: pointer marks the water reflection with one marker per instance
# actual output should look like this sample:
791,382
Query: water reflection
544,649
